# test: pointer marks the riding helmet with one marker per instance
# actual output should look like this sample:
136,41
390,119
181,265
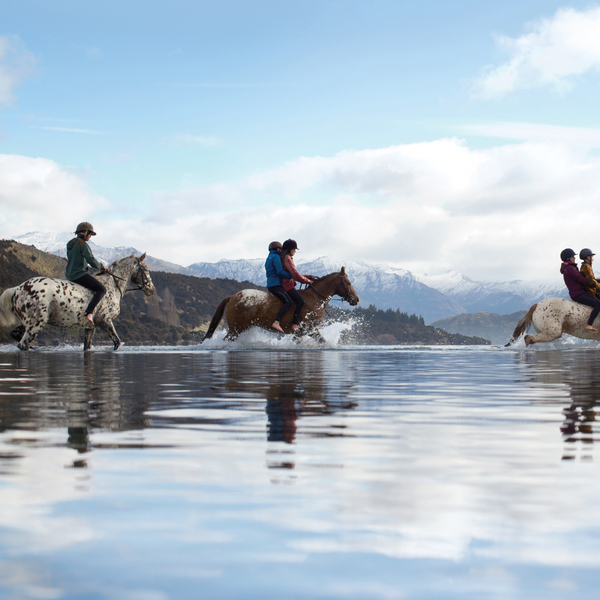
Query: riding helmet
566,254
585,253
275,246
290,245
85,228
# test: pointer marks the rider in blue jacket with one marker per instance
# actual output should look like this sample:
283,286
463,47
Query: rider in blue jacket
275,274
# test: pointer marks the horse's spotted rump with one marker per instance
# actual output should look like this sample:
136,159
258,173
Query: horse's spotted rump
253,298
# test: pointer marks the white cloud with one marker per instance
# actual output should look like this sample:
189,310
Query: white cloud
16,64
504,212
554,53
499,213
37,194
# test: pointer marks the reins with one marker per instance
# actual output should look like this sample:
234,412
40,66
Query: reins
342,298
115,277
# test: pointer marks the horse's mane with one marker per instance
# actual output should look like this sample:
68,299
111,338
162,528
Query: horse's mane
328,276
120,260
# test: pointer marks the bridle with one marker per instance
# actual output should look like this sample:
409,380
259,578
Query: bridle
345,298
135,289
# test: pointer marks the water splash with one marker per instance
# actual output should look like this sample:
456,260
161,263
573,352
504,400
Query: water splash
259,339
566,342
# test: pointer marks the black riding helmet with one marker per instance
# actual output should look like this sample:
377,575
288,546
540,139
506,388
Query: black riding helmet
290,245
274,246
566,254
585,253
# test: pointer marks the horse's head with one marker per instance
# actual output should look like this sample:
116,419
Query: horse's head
345,290
141,276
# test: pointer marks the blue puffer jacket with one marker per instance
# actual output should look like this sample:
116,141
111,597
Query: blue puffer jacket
274,269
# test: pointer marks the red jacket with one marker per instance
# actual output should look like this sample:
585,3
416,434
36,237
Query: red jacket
576,283
289,266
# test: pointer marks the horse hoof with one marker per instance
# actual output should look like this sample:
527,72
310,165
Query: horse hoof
117,346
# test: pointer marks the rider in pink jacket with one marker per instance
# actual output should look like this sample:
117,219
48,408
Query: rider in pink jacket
289,285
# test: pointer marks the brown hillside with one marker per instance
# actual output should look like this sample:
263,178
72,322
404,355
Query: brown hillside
39,262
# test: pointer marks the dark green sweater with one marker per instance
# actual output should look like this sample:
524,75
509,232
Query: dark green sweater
78,258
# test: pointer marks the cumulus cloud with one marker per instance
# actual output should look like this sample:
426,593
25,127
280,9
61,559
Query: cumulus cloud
499,213
37,194
553,53
16,65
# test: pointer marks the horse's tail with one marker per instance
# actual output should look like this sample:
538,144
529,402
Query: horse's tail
522,326
7,311
216,318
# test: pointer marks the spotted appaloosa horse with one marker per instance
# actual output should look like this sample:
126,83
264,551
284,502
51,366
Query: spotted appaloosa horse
255,308
553,317
41,301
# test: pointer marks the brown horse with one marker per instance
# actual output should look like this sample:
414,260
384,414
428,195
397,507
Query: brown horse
254,308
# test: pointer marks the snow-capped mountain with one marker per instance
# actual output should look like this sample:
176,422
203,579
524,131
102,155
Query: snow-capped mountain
492,296
56,243
252,270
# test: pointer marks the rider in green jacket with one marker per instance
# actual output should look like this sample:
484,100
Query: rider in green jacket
79,256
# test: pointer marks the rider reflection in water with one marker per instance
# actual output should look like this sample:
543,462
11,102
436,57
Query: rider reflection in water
79,255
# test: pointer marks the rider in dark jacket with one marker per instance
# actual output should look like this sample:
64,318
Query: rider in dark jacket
275,274
78,257
578,286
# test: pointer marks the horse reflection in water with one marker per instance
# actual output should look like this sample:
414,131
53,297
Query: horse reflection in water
79,392
580,372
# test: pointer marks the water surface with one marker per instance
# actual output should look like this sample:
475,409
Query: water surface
420,473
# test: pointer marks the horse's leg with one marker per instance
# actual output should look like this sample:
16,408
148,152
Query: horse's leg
17,333
551,333
107,326
89,336
34,323
29,336
315,334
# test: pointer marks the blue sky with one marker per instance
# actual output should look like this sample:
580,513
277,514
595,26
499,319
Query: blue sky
429,135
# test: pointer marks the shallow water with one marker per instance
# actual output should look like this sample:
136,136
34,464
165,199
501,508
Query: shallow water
300,473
